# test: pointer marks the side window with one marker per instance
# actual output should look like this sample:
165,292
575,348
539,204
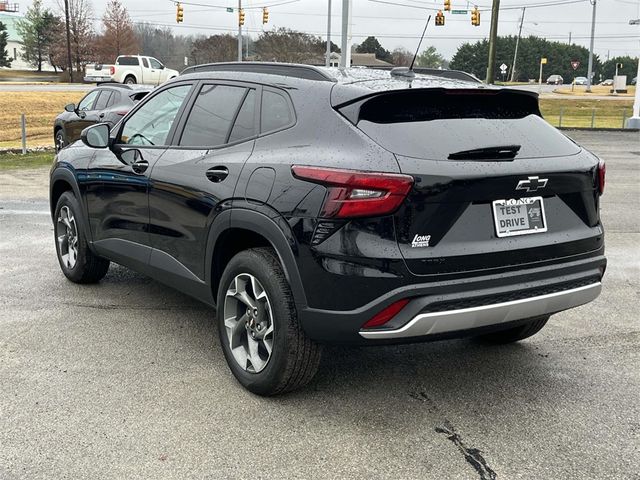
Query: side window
276,113
114,99
87,102
145,63
243,127
211,117
127,61
155,63
151,123
103,100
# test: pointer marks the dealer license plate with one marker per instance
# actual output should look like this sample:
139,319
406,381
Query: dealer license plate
519,216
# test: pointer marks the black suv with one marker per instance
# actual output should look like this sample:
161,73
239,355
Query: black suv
313,205
105,104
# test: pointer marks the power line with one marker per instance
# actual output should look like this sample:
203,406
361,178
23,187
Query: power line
485,8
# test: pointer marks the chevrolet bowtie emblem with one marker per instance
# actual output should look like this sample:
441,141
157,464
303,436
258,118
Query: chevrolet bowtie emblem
532,184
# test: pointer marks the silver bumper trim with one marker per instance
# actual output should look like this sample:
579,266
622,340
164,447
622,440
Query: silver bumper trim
467,318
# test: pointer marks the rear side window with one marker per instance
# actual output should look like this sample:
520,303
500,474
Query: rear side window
128,61
145,63
103,100
209,122
114,99
276,112
244,125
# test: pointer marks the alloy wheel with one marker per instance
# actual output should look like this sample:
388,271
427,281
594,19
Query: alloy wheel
67,235
248,322
59,141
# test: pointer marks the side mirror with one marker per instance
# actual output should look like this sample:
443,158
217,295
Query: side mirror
96,136
161,67
70,108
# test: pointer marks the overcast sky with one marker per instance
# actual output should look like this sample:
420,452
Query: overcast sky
401,25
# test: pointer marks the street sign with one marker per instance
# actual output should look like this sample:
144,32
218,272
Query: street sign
543,61
229,10
503,68
575,64
459,12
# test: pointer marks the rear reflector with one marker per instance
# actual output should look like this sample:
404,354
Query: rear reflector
602,170
352,193
387,314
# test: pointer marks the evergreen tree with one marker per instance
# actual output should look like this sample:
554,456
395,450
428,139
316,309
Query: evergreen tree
37,30
5,61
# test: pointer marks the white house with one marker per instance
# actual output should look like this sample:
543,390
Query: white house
15,50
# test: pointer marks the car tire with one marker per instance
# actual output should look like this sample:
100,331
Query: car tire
78,263
130,80
516,334
59,140
278,357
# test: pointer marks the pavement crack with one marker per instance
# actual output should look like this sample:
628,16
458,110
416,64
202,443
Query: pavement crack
473,456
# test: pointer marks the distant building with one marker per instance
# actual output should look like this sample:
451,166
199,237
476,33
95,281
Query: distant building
15,45
357,60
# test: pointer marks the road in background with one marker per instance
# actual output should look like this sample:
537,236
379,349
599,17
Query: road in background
126,379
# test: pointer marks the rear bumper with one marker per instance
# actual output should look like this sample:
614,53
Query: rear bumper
98,78
462,307
436,323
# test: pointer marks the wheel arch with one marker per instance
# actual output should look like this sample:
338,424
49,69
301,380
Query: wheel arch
238,229
63,180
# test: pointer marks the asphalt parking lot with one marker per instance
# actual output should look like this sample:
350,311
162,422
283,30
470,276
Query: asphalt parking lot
126,379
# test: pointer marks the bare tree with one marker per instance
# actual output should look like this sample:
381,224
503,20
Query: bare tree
82,36
284,45
118,37
161,43
216,48
401,57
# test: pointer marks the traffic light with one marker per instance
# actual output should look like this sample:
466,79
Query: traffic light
475,17
241,17
265,15
439,18
179,13
447,5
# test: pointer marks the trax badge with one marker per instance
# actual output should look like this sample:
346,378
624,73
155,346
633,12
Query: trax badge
420,241
532,184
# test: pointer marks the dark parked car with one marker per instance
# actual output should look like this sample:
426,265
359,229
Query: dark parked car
555,80
107,103
312,205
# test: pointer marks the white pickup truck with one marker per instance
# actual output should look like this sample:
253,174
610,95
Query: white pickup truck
130,69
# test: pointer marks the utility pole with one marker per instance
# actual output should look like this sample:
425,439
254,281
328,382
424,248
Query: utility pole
328,60
66,16
634,122
569,38
345,56
593,32
493,38
239,31
515,54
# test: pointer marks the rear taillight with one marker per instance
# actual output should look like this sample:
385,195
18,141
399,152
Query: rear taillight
112,70
387,314
602,170
352,193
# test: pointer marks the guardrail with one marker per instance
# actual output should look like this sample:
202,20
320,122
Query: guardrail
588,118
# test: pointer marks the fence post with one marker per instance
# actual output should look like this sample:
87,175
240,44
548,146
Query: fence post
624,117
23,124
560,120
593,116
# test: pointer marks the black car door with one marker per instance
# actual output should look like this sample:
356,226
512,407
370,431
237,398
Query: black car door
117,181
84,116
195,178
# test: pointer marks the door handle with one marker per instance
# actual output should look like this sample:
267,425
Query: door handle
140,166
101,115
217,174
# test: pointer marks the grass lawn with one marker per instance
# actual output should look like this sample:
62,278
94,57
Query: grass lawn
30,160
581,91
577,112
40,108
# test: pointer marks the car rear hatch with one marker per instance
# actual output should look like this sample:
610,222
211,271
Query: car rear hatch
495,185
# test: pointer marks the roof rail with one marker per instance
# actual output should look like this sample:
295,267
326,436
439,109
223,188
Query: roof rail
115,84
436,72
306,72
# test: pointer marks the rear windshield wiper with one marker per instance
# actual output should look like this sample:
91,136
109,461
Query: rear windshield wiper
503,153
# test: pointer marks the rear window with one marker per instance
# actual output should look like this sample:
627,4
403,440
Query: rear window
276,112
127,61
433,124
